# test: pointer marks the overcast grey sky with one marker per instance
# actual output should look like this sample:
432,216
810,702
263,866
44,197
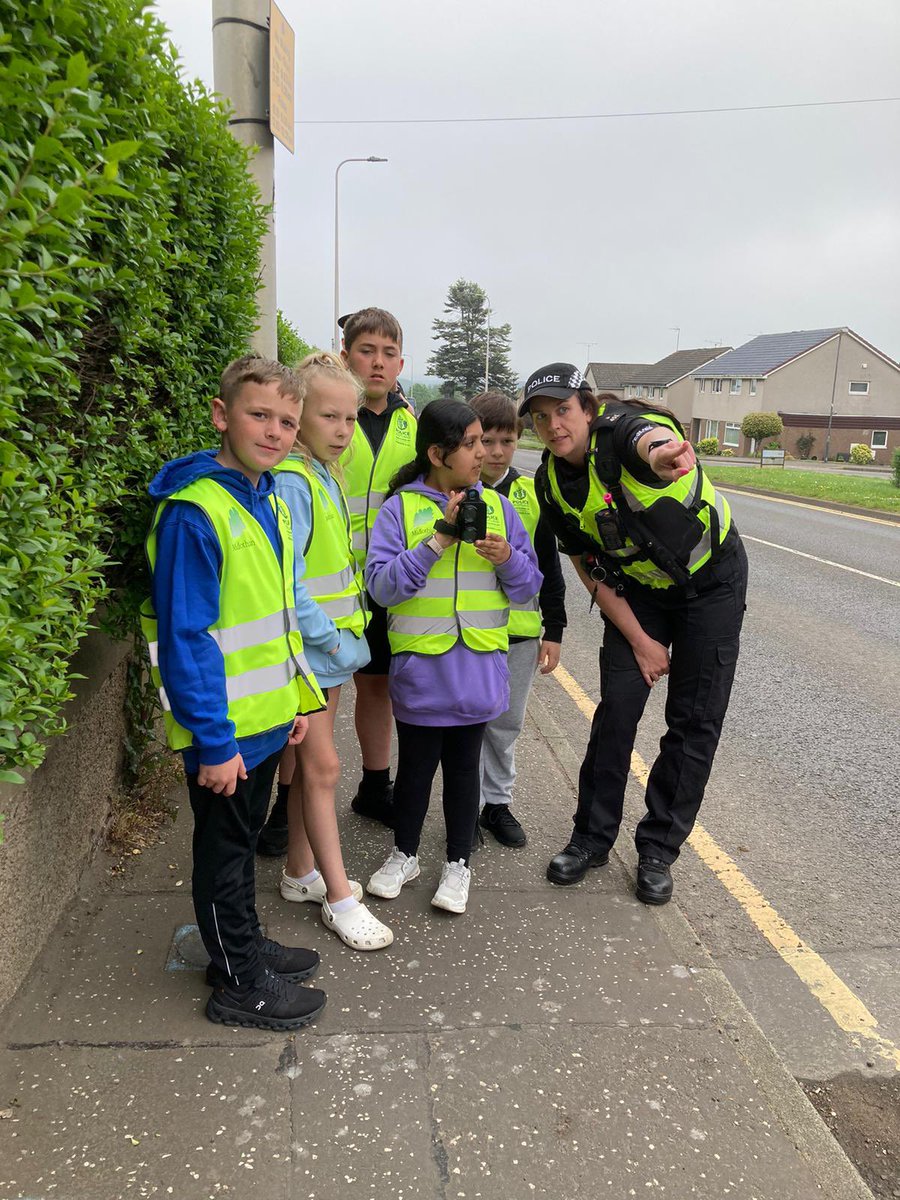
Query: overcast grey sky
609,231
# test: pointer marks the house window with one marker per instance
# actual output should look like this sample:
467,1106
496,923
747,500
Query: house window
879,439
752,387
711,429
859,387
717,385
702,387
732,435
735,387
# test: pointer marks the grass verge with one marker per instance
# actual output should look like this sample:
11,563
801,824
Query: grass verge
877,494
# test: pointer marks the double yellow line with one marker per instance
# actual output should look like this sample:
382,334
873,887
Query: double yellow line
842,1005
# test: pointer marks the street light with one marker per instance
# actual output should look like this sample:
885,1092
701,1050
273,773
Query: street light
336,342
487,344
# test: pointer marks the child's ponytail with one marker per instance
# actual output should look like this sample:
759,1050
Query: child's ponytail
442,423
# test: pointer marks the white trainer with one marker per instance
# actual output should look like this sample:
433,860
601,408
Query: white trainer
453,890
398,868
294,890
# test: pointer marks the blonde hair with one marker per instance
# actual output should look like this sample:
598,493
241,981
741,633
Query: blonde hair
321,364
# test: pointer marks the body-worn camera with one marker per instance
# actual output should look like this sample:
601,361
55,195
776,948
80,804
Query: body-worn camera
471,517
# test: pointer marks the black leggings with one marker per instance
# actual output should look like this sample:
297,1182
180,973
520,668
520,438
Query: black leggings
458,749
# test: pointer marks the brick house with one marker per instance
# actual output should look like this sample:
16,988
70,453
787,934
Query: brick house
670,382
829,384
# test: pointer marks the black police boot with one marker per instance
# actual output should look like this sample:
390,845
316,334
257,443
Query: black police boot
273,1003
273,837
654,881
574,862
377,805
498,820
293,963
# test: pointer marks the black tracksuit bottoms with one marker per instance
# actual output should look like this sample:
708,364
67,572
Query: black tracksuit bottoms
458,750
224,878
703,634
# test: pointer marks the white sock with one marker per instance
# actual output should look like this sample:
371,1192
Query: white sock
305,880
340,906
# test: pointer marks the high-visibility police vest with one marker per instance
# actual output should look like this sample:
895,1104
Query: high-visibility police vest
333,578
267,677
462,596
525,617
685,521
367,476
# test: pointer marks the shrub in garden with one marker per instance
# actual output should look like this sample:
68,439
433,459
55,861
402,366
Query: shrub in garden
708,445
129,250
726,453
895,468
861,454
805,443
759,425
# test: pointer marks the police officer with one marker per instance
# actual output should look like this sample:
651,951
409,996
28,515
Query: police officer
655,546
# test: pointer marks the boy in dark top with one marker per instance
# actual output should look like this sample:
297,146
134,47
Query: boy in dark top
528,649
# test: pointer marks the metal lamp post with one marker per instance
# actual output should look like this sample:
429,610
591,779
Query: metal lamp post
337,310
487,345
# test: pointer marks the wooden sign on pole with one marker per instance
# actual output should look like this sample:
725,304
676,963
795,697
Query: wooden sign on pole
281,78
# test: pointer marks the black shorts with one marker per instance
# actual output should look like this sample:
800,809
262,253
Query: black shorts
377,637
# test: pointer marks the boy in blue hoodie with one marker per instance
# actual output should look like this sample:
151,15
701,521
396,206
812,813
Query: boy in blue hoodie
228,660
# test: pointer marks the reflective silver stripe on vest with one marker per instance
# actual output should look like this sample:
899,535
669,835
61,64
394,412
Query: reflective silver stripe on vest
421,626
376,499
704,546
343,606
359,539
494,619
263,679
531,605
437,589
327,585
357,504
254,633
478,581
153,647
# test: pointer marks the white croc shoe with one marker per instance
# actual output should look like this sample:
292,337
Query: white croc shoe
298,892
357,927
453,890
398,868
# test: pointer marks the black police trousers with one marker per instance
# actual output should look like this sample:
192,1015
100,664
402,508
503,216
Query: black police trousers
703,633
226,829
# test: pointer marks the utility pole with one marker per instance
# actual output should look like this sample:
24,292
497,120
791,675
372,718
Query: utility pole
241,76
487,346
837,359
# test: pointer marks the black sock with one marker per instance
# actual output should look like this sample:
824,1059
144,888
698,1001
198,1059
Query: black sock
375,783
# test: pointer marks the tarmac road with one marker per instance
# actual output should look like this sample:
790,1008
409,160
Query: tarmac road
804,794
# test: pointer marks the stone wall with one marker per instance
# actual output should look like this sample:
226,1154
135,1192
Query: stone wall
54,823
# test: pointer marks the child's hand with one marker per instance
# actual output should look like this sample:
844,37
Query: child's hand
548,657
495,549
298,733
444,539
223,777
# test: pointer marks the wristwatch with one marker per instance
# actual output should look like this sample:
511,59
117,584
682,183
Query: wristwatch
661,442
435,546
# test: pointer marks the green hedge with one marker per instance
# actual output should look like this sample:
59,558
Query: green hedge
129,250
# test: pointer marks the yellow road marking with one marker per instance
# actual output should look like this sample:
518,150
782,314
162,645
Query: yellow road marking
839,1001
835,512
827,561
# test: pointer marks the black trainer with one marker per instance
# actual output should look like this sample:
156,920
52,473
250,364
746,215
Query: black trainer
292,963
272,1004
378,806
654,880
273,837
498,820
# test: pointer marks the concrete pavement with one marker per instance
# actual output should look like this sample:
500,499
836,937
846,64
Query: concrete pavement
551,1042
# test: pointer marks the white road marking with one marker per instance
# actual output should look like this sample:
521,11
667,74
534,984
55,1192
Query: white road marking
826,561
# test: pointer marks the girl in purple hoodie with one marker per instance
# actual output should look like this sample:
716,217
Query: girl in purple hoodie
447,605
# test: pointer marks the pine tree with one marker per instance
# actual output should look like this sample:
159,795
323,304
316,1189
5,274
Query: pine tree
462,340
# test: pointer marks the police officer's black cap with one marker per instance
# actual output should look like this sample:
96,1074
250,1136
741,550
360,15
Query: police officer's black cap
558,381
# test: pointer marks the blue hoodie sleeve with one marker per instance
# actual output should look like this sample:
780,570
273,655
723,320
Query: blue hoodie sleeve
317,628
186,602
519,575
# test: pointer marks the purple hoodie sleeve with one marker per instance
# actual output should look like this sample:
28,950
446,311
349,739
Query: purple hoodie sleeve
186,602
393,572
519,575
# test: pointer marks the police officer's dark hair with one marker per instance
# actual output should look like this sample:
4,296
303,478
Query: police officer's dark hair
442,423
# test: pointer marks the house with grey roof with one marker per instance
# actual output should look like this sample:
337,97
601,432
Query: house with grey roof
670,381
828,384
610,377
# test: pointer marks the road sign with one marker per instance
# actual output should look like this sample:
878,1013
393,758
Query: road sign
281,78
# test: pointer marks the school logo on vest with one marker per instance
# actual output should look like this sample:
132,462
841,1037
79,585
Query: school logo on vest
424,516
519,493
240,538
401,429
